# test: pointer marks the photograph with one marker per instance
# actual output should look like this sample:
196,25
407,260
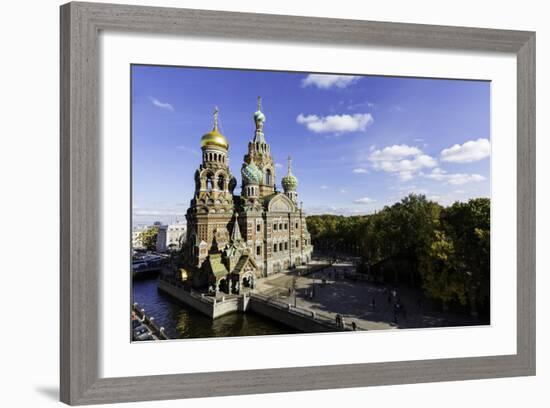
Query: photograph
274,202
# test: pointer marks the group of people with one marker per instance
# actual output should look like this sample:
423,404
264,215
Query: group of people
398,307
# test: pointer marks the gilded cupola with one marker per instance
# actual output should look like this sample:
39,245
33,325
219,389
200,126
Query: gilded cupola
214,138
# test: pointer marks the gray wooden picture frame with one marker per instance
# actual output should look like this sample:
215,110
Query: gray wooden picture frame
81,24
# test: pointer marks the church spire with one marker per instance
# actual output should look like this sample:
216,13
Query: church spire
259,119
289,165
236,233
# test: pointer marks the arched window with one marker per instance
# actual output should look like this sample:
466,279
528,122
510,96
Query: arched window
209,182
221,183
268,177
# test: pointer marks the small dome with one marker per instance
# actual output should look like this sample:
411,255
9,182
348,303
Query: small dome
289,182
251,174
214,138
259,116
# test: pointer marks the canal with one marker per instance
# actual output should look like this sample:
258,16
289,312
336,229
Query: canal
182,322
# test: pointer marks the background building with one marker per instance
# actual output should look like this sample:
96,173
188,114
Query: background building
137,237
171,236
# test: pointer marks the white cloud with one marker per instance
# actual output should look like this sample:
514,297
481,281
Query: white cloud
395,152
163,213
364,200
343,191
194,152
357,122
324,187
361,105
403,160
470,151
360,170
455,179
325,209
278,165
329,81
162,105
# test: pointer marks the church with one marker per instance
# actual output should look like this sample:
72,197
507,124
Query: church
233,240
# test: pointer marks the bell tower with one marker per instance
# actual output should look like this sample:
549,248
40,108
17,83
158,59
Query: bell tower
259,152
211,207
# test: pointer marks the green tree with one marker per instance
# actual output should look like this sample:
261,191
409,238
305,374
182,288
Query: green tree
397,236
149,238
469,226
440,270
444,251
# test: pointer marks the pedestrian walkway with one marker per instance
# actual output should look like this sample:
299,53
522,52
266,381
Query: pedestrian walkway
370,306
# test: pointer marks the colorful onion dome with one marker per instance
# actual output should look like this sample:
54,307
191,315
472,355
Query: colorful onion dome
251,174
259,115
289,182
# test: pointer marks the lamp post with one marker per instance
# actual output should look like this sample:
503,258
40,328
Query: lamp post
294,289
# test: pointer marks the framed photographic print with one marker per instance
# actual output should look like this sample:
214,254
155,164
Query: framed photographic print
264,203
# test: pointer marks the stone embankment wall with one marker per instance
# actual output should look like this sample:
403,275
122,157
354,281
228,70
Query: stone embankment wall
299,319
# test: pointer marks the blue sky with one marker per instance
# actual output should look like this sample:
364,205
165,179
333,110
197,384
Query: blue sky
358,142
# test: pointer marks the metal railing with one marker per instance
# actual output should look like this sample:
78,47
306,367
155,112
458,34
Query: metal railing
309,314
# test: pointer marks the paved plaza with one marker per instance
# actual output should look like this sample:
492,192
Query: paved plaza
329,293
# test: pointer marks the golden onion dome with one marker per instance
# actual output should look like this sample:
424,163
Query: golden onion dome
214,137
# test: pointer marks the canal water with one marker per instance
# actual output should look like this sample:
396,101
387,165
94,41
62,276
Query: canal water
182,322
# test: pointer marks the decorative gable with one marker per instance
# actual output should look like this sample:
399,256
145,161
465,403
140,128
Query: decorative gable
280,203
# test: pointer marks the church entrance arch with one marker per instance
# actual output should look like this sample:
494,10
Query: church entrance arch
223,286
248,280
